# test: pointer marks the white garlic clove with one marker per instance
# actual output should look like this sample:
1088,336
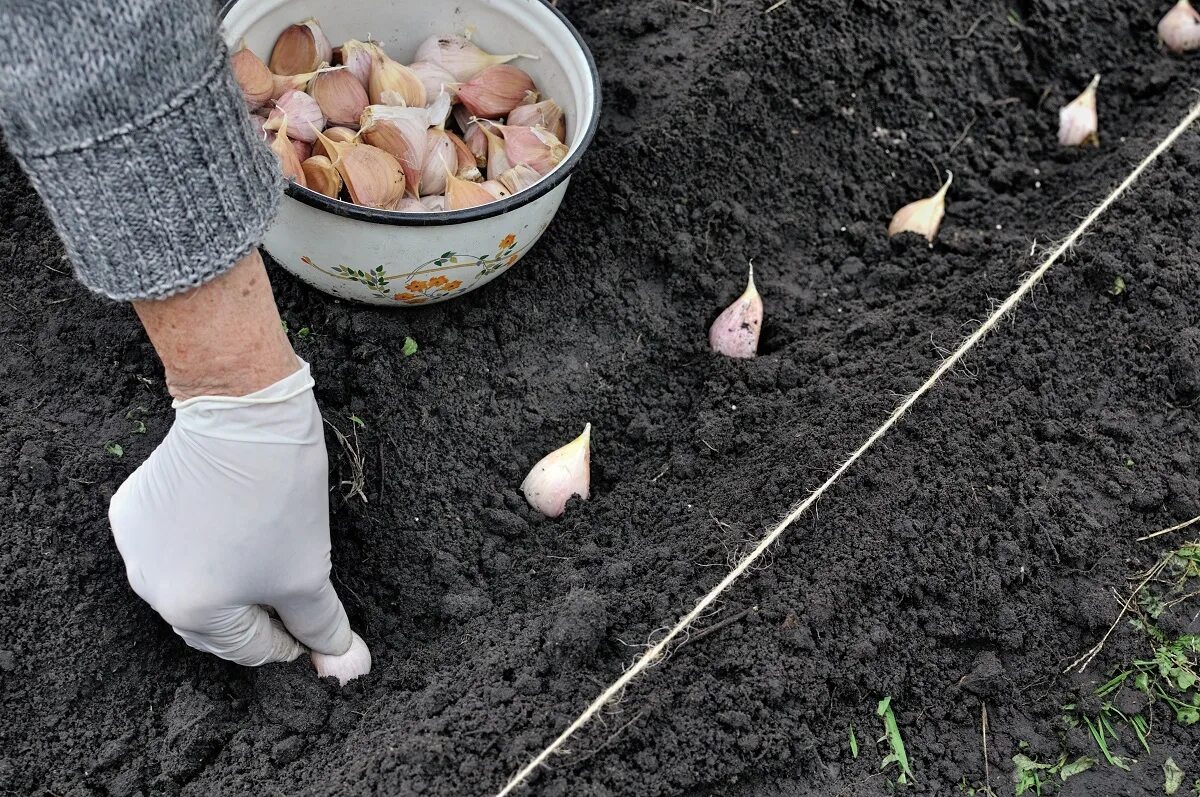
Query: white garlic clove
402,85
357,57
496,188
519,177
547,114
353,663
1179,29
536,147
736,330
411,205
924,217
459,56
440,160
1078,122
434,76
303,112
436,203
561,475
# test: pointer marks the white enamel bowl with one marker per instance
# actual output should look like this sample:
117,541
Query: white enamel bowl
405,259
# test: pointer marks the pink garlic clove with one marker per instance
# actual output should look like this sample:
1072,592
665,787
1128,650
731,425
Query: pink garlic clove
736,330
561,475
1078,123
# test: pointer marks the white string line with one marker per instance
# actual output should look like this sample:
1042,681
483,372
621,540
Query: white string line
655,652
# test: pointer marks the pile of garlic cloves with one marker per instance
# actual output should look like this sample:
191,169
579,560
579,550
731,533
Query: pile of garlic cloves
456,128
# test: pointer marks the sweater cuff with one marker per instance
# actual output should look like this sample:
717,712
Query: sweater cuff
166,203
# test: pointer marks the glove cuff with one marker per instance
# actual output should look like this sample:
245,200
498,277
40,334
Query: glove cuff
286,388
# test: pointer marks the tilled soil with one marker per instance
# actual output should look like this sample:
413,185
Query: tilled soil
962,564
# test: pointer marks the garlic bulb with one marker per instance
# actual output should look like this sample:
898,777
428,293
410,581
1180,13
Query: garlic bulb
254,78
519,177
350,665
321,176
736,330
440,160
495,91
357,57
300,48
304,115
393,76
1078,123
372,177
434,77
547,114
400,132
341,97
1179,29
462,194
459,56
561,475
924,216
536,147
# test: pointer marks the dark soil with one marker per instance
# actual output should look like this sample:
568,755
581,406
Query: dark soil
964,562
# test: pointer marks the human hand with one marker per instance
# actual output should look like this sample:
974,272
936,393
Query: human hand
230,514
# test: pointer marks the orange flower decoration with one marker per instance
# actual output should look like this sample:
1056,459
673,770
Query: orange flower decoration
453,285
438,280
403,297
508,241
416,285
511,260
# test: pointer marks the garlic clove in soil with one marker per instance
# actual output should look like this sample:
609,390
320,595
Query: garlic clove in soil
536,147
495,91
547,114
924,217
372,177
302,47
434,77
1179,29
392,76
459,56
321,176
519,177
736,330
341,97
462,194
303,113
1078,123
254,78
357,58
467,168
561,475
353,663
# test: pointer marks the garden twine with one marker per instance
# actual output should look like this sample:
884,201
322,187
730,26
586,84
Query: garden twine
656,651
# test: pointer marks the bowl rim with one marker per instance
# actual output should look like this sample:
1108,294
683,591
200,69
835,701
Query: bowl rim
491,209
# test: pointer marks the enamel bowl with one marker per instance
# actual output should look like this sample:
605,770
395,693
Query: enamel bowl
391,258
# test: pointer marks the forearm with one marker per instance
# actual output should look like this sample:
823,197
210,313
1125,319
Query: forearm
129,124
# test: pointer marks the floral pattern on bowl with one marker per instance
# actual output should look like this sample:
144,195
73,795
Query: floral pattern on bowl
436,287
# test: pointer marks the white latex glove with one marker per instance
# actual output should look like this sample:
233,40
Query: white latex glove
230,514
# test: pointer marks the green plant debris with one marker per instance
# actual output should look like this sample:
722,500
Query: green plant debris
114,449
898,754
357,421
139,427
409,348
1081,764
1118,286
303,332
853,743
1127,461
1030,774
1172,776
283,324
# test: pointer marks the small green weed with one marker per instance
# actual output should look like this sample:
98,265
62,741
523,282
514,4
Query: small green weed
891,733
409,348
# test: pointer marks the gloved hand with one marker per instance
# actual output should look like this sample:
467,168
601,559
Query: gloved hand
230,514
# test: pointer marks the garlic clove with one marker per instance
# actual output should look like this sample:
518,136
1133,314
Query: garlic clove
434,77
497,155
547,114
435,203
285,83
300,48
372,177
302,148
440,160
467,168
1078,123
341,97
495,91
357,57
460,56
561,475
281,145
736,330
257,124
254,78
439,108
353,663
496,188
519,177
303,112
924,216
321,176
1179,29
400,132
462,194
393,76
341,134
536,147
477,142
410,205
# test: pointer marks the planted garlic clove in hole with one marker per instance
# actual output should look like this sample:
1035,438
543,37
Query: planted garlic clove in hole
1179,29
1078,123
561,475
736,330
353,663
924,217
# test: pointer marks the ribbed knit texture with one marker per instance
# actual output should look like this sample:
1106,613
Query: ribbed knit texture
128,122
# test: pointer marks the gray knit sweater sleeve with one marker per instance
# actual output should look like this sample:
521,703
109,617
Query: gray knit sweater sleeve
127,119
